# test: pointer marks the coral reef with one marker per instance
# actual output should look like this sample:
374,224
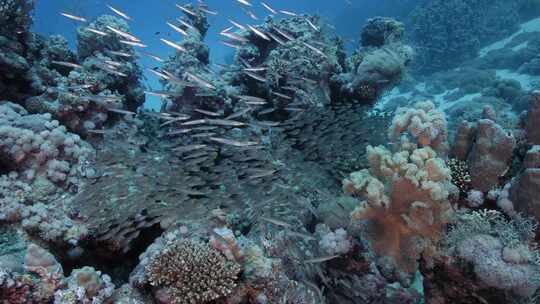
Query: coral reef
108,78
40,160
36,146
490,155
85,285
15,40
45,76
333,242
488,149
533,120
15,16
447,33
500,250
378,64
230,193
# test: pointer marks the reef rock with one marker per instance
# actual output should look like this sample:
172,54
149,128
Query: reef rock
490,156
464,140
525,190
380,31
379,62
532,123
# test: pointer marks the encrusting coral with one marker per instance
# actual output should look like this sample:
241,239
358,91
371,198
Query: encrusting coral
502,251
404,198
36,145
39,159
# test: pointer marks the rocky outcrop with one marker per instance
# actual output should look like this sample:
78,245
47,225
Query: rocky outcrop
490,156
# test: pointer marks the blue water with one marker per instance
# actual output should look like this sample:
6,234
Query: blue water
149,17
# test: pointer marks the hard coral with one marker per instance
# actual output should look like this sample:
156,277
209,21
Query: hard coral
460,174
502,251
35,145
382,30
15,16
491,155
447,32
192,272
85,286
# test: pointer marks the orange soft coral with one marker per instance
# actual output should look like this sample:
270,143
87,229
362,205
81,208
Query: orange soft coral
408,227
404,198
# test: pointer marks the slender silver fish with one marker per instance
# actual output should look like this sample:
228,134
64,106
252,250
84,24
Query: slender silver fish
259,33
96,31
133,43
119,13
67,64
255,76
173,45
238,25
275,221
73,17
213,114
225,122
123,34
321,259
121,54
266,6
232,142
176,28
186,10
244,2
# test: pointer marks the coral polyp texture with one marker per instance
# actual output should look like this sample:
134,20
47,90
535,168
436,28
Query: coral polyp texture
35,146
424,123
501,251
192,272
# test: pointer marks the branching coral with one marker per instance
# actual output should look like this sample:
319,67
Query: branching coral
192,272
460,174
